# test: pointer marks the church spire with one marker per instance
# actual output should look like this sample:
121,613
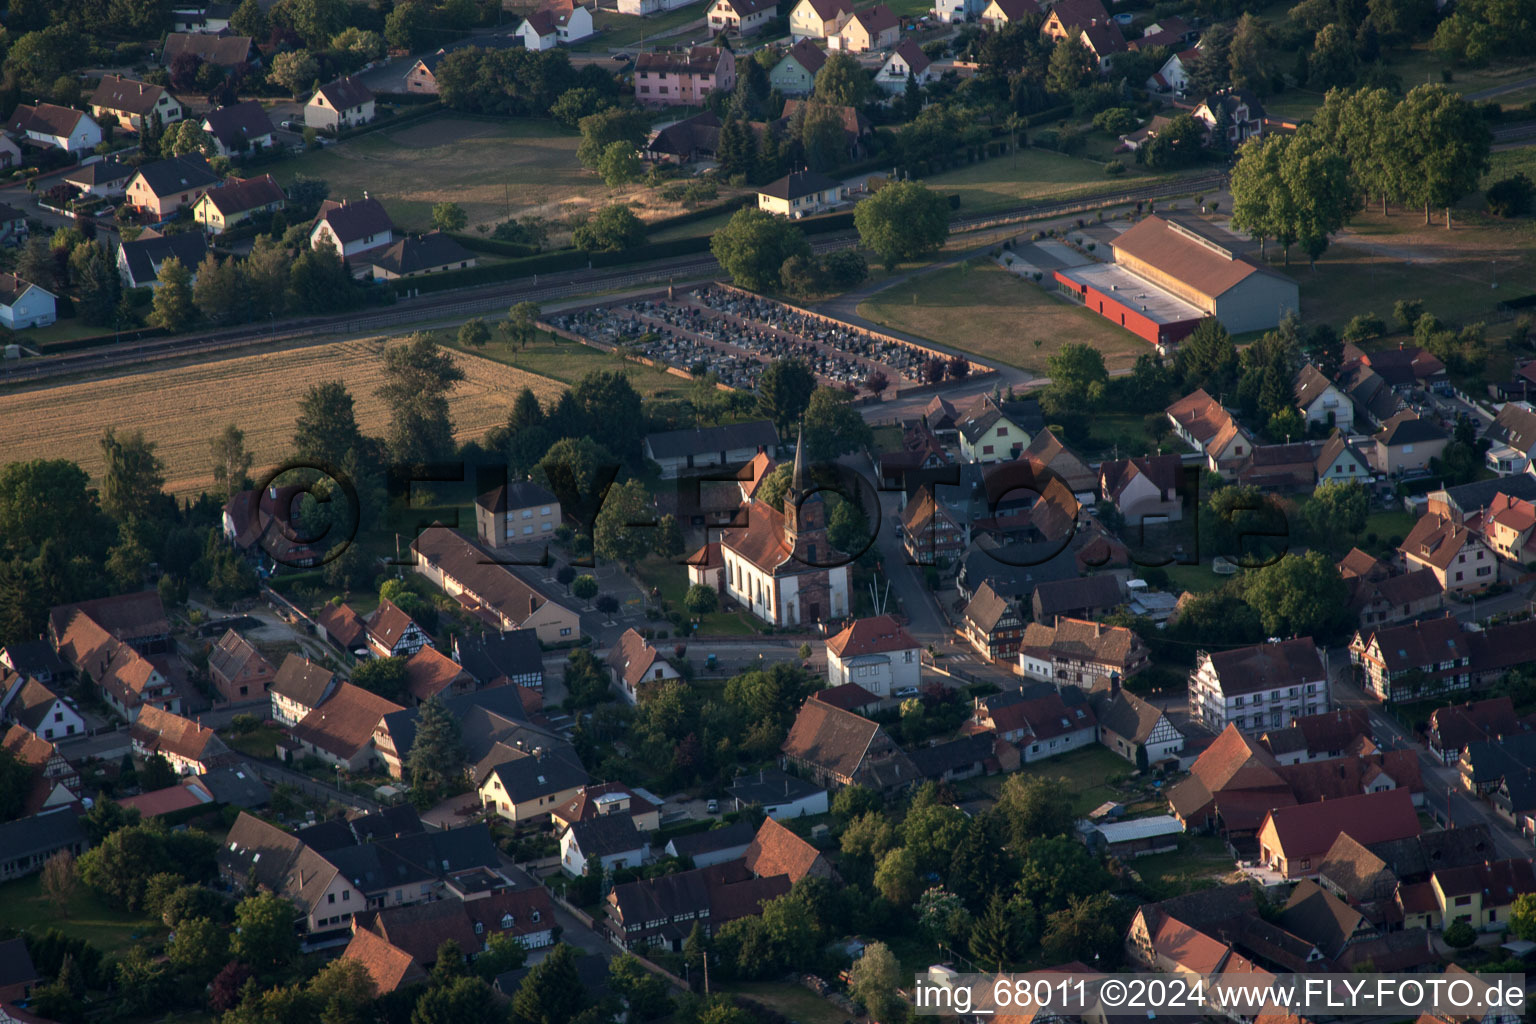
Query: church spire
798,481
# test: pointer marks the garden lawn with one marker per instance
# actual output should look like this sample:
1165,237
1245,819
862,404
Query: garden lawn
1086,772
23,906
493,168
671,583
981,308
793,1001
617,30
257,744
1198,579
1199,863
1031,175
568,361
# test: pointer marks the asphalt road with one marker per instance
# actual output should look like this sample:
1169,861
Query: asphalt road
1444,797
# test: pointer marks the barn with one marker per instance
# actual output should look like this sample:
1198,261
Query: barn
1169,273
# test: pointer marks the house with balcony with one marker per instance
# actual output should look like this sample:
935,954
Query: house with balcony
683,78
1319,400
876,653
1511,436
1258,687
1080,653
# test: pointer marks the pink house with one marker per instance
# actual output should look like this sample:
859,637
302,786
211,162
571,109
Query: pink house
683,77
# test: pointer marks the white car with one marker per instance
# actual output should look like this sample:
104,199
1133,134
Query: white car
907,691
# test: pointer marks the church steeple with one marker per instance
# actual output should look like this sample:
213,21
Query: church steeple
804,511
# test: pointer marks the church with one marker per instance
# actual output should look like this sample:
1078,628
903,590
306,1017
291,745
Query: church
776,565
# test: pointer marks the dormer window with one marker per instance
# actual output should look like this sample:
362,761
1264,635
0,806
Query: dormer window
507,921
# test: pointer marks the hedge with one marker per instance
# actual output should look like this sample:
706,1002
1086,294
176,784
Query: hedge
547,263
495,246
1047,116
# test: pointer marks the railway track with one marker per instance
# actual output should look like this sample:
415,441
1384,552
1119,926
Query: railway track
497,298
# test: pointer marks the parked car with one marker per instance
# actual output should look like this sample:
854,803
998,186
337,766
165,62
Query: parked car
907,691
713,807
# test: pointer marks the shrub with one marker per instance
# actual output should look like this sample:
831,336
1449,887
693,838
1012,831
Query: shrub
1114,169
1512,196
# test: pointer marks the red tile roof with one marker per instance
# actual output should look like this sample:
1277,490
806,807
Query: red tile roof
778,851
344,725
388,966
881,634
1308,830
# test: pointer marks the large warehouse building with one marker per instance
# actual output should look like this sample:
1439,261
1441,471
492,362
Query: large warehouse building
1171,273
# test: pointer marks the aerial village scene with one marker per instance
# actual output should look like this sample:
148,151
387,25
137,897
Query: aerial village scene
764,511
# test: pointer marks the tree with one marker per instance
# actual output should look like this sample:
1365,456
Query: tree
1181,141
1459,935
579,471
1513,196
602,129
1321,196
584,587
1079,379
643,992
622,531
320,282
1088,928
99,288
317,21
841,82
1299,595
264,936
522,321
295,70
364,44
143,983
1034,806
619,164
345,991
462,1001
132,482
753,246
896,877
220,292
700,600
552,991
1332,61
173,308
833,427
1443,146
902,221
873,980
198,947
448,216
1337,507
418,375
157,773
1522,917
436,759
231,461
668,540
612,229
823,138
326,427
1249,54
188,138
474,333
503,953
59,878
383,676
1071,65
784,392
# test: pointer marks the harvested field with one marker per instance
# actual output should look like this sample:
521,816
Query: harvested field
181,408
